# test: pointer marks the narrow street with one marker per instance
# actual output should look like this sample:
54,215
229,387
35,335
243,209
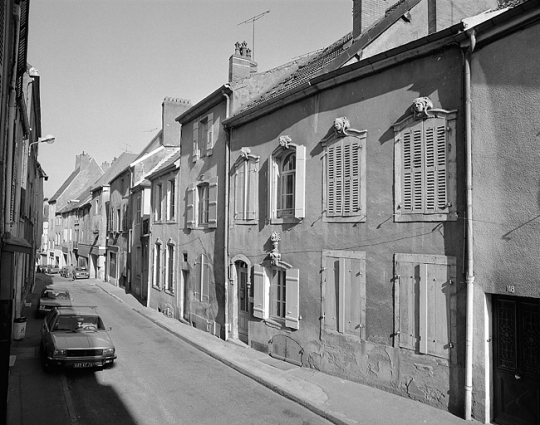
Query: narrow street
158,378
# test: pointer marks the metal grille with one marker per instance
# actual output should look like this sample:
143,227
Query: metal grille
84,353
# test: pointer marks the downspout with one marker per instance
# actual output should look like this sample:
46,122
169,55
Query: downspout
469,223
11,122
226,232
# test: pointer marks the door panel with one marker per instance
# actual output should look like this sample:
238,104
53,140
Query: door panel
516,360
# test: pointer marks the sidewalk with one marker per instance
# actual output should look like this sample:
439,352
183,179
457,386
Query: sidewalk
338,400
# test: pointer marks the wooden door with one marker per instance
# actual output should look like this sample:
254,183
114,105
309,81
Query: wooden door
243,300
516,344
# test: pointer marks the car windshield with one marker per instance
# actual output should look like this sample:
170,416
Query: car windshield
52,295
78,323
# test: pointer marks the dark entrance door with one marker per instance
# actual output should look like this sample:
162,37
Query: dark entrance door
516,337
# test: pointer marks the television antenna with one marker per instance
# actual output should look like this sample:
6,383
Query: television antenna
252,20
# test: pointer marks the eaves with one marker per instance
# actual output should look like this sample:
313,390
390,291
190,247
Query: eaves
204,105
368,66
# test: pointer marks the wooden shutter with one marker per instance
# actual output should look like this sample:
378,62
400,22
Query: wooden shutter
259,292
205,278
240,191
190,207
408,305
196,151
292,304
351,176
330,300
412,169
334,182
210,134
213,202
354,298
300,183
252,188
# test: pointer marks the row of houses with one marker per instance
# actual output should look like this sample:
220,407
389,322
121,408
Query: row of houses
369,210
21,179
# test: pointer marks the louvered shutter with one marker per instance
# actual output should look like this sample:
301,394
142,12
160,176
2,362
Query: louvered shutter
190,207
300,183
354,297
240,192
412,169
196,151
252,190
292,303
259,292
205,279
213,202
334,180
210,134
441,143
351,176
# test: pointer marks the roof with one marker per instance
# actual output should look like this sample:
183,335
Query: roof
164,164
335,55
118,165
65,185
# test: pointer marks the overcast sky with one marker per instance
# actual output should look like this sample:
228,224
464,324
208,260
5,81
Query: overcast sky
107,65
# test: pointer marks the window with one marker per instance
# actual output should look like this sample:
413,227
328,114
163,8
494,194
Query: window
157,264
139,208
245,186
202,279
276,295
203,137
157,203
169,282
425,167
344,292
202,195
118,220
345,178
201,209
171,200
424,303
287,182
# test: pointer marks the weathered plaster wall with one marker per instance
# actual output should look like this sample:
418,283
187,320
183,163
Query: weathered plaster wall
373,104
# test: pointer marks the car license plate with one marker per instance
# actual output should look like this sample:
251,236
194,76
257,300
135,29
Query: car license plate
86,364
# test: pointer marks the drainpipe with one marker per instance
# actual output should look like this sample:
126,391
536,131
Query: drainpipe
226,233
11,121
469,223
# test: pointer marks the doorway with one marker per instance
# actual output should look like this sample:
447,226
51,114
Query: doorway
243,300
516,374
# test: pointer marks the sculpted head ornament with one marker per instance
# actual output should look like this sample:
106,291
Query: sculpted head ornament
421,106
284,141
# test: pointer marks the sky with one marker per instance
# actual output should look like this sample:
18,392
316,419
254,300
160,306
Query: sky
105,66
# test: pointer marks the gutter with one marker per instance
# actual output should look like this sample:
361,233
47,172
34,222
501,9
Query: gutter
226,94
11,122
469,338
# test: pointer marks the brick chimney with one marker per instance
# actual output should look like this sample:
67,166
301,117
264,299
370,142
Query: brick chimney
367,12
240,64
170,109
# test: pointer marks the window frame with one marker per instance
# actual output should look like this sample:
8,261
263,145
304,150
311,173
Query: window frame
171,200
284,149
245,183
406,133
157,281
263,293
170,272
203,270
158,203
423,293
359,139
192,204
203,131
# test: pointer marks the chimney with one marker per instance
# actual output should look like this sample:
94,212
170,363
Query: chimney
82,160
445,13
366,13
170,109
240,64
105,166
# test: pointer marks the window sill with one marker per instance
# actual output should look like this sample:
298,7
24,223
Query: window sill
246,222
409,218
351,219
276,323
169,292
157,288
285,220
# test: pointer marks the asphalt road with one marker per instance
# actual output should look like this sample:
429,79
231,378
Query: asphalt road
159,379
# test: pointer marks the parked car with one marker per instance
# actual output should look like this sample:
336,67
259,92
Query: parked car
81,273
53,269
64,272
53,296
75,337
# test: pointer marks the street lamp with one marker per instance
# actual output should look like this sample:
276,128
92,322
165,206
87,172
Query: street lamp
47,139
